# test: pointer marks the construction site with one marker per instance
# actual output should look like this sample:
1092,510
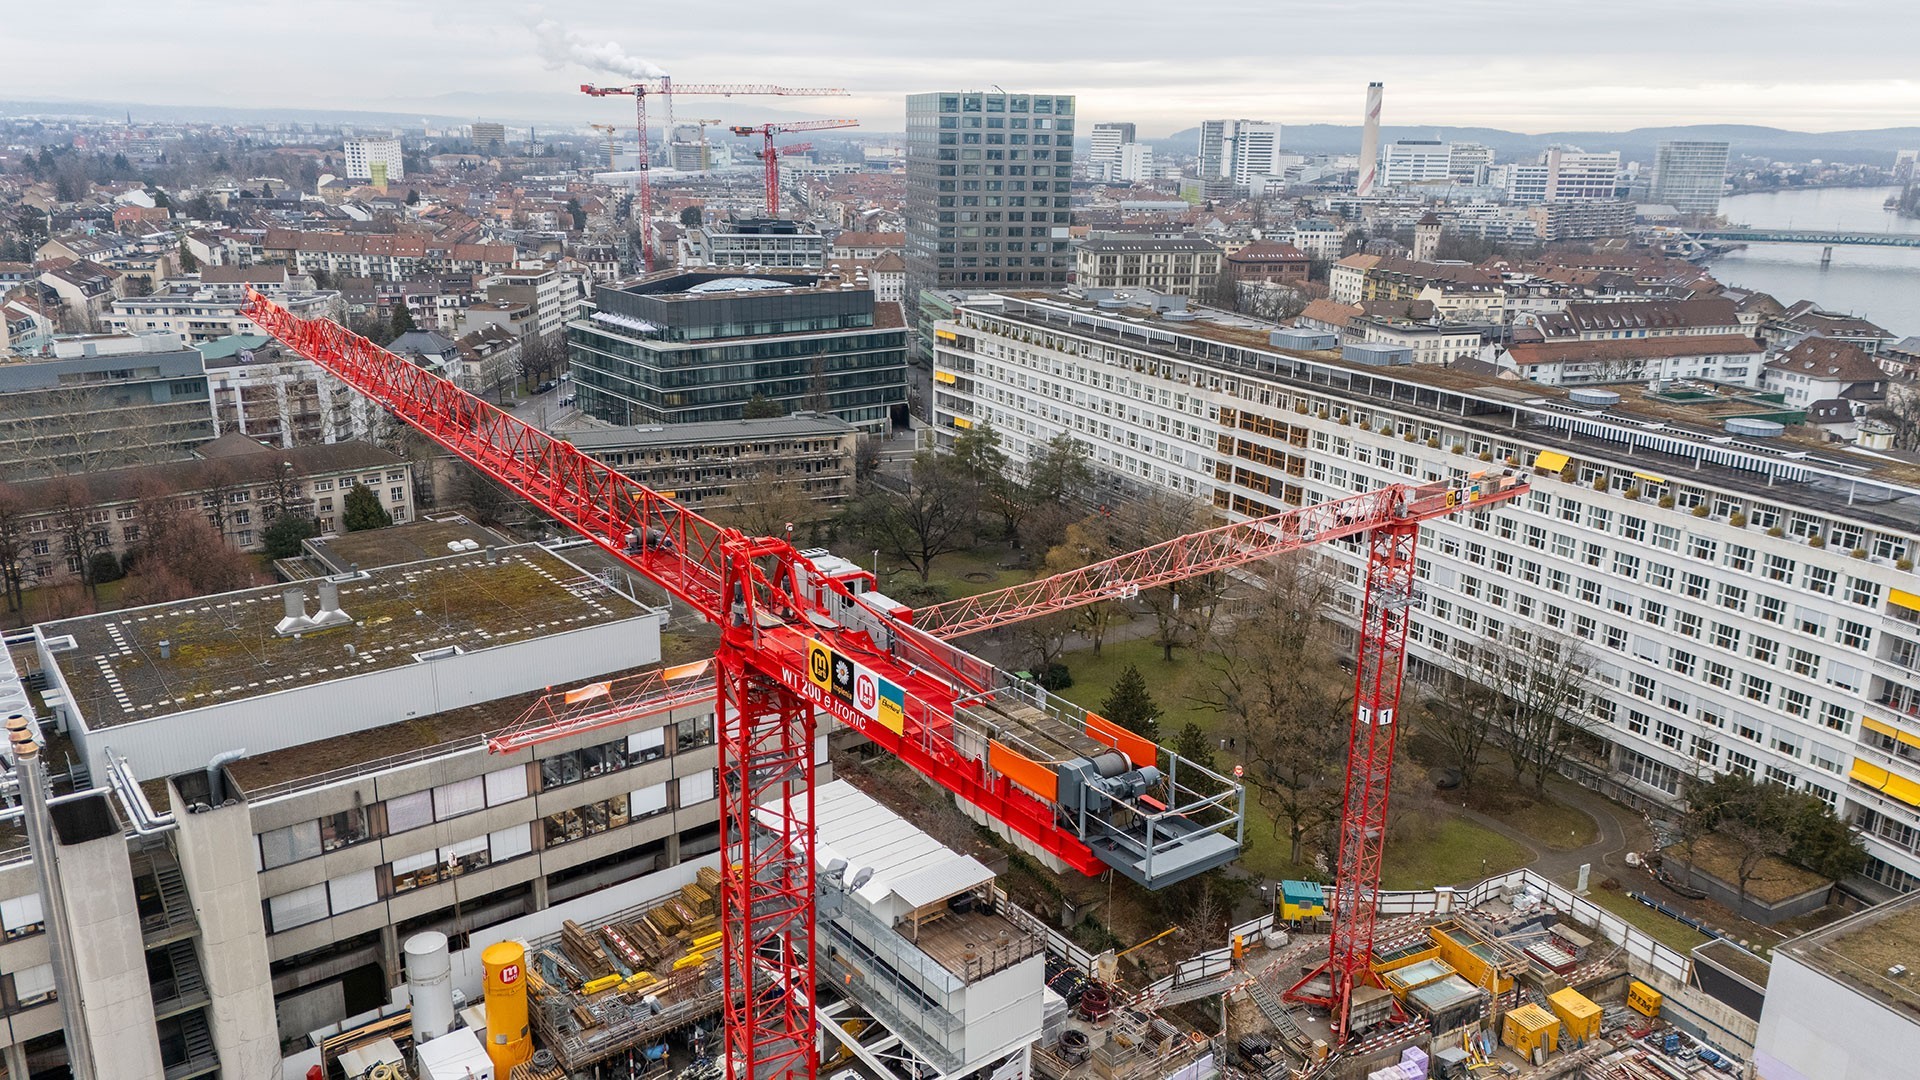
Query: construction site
674,881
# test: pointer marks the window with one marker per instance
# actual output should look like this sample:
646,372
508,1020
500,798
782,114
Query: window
577,765
1756,688
1625,565
460,797
353,891
344,829
1863,592
21,916
1803,662
1660,577
279,847
1642,686
297,908
1765,650
1739,557
1687,623
1681,661
1853,635
582,821
1796,703
1633,528
1732,597
33,985
1726,637
1770,608
510,842
1778,568
506,785
1819,579
409,812
1666,537
1652,611
696,789
1717,674
1701,547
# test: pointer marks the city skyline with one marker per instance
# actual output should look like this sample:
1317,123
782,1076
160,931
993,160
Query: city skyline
497,59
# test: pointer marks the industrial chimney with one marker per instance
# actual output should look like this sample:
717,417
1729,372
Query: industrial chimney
1370,141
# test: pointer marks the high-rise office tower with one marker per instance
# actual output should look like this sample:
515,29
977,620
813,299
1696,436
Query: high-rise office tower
989,178
1370,141
1689,176
1104,147
1239,150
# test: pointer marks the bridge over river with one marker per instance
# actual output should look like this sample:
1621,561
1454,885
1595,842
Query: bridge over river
1827,238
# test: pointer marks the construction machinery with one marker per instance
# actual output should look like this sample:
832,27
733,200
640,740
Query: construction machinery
664,88
769,154
800,634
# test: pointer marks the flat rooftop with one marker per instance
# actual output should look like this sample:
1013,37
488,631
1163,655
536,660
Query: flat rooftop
426,538
223,648
453,730
709,432
1863,949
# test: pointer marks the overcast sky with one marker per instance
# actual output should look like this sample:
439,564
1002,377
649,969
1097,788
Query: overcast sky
1525,65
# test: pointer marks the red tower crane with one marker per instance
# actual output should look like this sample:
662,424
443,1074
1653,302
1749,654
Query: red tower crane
769,154
796,639
665,88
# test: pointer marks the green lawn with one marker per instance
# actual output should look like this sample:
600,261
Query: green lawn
1456,853
1550,822
1674,935
957,573
1174,684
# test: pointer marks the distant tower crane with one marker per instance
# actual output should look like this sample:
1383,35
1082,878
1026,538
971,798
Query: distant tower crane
612,145
797,639
706,152
665,88
769,154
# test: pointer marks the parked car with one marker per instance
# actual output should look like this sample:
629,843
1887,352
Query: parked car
545,387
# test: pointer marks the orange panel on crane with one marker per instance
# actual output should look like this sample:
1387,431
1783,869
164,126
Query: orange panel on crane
1023,770
1141,752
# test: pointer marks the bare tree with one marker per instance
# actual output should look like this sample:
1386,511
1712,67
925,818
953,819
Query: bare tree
1082,544
1276,676
936,516
1901,413
1463,715
1541,681
81,536
13,546
1182,612
765,500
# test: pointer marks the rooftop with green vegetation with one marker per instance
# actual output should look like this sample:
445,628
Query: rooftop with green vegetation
132,665
1877,952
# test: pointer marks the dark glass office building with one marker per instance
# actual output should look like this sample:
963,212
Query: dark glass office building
690,346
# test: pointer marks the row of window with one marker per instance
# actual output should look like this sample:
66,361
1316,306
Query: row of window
389,817
351,892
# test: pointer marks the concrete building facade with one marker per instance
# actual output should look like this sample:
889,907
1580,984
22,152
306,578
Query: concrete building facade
1747,607
707,464
363,155
101,403
266,897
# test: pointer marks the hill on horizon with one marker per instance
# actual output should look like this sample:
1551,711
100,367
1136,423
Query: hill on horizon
1872,146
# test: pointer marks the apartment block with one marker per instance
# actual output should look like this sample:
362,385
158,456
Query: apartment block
378,160
1745,593
705,464
237,484
1183,266
1689,176
100,403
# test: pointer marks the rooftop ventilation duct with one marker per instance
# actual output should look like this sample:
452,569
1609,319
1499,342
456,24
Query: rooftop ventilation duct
330,613
296,621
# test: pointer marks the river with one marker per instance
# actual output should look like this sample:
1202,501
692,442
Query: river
1882,284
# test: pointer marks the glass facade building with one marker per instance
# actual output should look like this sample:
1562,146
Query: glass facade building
989,180
684,347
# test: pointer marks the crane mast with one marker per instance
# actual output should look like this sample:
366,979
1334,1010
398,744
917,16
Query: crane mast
769,154
796,641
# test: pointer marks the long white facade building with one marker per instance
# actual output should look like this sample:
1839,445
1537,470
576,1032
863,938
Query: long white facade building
1749,603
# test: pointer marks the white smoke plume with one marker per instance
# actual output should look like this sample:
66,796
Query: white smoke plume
560,46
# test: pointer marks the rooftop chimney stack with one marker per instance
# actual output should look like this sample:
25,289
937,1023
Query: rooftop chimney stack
1370,141
296,620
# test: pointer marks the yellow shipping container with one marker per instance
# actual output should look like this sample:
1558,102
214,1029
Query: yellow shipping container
1643,999
1531,1026
1581,1015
